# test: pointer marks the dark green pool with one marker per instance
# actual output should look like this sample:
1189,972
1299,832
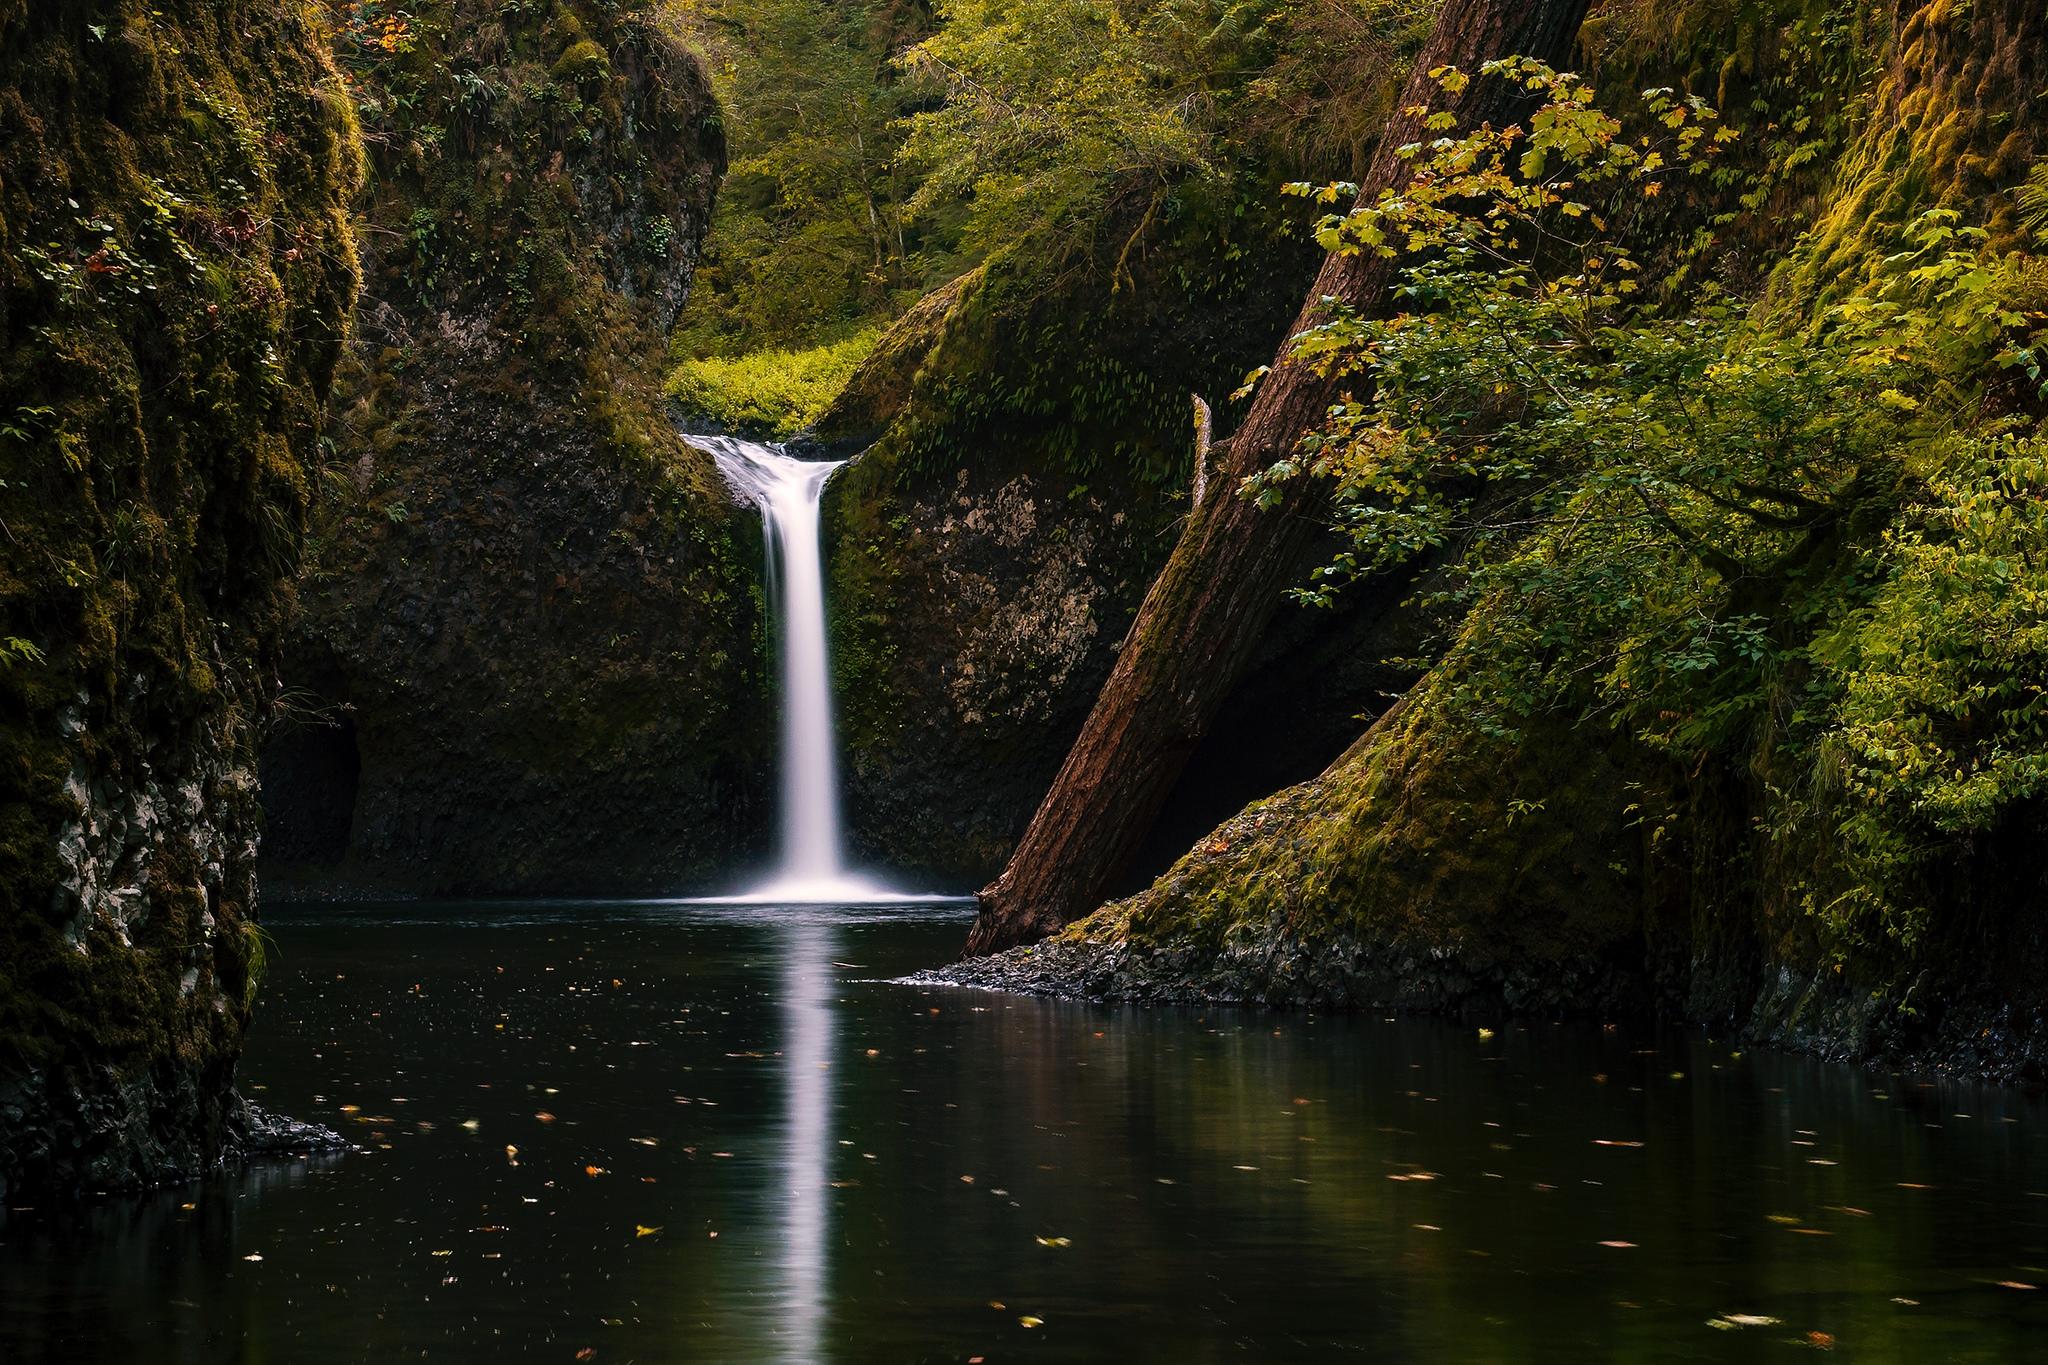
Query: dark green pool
678,1133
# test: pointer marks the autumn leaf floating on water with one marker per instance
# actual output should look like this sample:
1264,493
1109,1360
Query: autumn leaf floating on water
1729,1322
642,1230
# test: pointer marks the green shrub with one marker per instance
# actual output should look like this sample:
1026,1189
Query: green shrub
768,392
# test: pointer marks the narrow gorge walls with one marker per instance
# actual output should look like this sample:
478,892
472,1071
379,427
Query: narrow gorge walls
176,271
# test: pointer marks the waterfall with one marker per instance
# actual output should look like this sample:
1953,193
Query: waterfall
787,491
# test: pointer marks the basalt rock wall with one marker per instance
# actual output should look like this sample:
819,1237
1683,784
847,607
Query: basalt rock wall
531,654
176,274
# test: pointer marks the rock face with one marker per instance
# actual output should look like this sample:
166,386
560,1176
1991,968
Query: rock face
176,270
972,623
530,658
1028,436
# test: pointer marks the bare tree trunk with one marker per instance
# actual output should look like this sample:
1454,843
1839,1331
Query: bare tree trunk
1203,618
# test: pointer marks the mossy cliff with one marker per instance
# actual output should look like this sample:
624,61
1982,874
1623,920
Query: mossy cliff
529,660
978,579
1032,430
1838,849
1029,435
176,271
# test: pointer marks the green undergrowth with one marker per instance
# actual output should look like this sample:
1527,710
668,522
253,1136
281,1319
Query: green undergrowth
773,392
1751,597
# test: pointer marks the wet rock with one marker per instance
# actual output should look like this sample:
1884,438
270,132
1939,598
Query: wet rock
149,556
531,658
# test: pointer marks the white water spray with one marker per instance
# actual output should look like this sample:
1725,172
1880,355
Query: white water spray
787,491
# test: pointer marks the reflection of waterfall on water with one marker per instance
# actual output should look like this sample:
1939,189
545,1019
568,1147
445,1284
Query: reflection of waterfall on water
787,491
807,1137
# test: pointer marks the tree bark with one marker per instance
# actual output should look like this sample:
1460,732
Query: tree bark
1204,616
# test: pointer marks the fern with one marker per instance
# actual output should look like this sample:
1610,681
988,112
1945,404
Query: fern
2033,197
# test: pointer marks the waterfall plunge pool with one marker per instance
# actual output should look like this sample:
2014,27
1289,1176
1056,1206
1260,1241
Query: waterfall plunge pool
679,1133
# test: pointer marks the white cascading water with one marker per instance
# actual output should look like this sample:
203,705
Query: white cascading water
787,491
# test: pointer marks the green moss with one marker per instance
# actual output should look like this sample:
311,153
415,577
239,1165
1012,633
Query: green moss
1954,122
506,460
1830,843
176,274
1426,839
775,393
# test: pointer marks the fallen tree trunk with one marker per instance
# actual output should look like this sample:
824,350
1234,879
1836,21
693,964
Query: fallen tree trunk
1204,617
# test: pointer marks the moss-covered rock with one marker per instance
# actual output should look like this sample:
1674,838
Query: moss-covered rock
1029,436
176,273
530,657
1424,870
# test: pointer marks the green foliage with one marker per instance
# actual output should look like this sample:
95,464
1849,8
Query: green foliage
1939,685
810,233
1117,168
2033,200
1053,108
771,392
1657,508
881,151
1060,118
